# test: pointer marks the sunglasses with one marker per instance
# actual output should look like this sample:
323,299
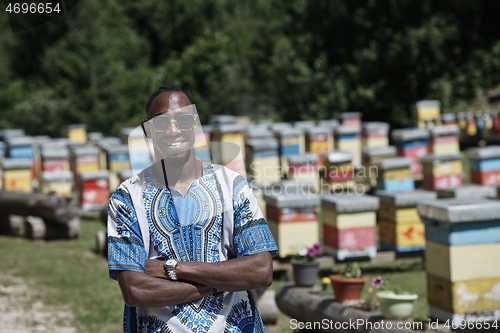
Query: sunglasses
161,122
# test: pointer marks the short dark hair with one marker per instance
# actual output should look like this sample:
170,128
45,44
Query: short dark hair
163,89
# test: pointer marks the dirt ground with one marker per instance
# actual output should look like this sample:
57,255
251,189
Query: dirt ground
20,312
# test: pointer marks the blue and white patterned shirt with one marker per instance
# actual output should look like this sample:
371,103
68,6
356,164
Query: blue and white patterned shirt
218,219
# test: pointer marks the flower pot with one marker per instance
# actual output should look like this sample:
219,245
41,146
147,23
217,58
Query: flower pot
345,289
305,273
396,306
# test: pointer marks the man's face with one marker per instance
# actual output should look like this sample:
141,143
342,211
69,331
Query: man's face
174,143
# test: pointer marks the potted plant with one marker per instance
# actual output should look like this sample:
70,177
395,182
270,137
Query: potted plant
348,284
394,302
305,266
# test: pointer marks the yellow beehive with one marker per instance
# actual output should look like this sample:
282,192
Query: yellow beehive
408,234
289,236
448,261
374,134
347,138
348,220
76,133
464,296
228,147
428,110
60,183
401,215
17,174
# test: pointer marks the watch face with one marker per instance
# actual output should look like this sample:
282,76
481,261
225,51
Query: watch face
171,263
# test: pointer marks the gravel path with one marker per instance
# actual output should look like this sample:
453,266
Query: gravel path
21,313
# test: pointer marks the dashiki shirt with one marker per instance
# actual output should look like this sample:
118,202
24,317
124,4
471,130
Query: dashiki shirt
218,219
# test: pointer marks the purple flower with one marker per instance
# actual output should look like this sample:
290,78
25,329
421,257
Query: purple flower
317,247
311,252
377,281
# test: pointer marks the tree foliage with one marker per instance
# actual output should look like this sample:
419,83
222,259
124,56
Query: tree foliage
287,60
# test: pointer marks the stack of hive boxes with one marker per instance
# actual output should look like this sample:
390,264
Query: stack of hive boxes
442,171
19,168
394,174
427,111
349,225
117,159
56,176
318,141
289,144
76,133
400,227
412,143
351,118
230,147
370,156
293,219
304,167
263,160
462,255
374,134
347,138
485,165
338,171
302,126
443,140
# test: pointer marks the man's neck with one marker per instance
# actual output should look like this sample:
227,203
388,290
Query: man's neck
176,173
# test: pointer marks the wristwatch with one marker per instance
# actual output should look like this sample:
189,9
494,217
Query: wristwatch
169,267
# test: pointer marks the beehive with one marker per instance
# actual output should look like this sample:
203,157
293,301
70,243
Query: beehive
339,170
304,167
347,138
17,174
412,143
370,156
484,165
94,190
60,183
231,148
54,159
289,144
349,118
394,174
77,133
427,110
374,134
302,126
318,141
462,249
349,225
292,219
443,140
400,227
83,159
442,171
263,161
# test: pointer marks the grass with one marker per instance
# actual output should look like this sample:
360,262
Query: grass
67,274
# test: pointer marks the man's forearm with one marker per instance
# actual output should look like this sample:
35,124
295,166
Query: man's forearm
141,290
244,273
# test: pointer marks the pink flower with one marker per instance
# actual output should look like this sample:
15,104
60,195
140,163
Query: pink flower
377,281
311,252
317,247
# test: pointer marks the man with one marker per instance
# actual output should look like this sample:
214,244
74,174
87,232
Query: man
202,220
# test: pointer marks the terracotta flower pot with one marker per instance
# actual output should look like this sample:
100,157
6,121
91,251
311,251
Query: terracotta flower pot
345,289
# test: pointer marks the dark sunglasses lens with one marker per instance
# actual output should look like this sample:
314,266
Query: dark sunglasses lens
185,121
161,123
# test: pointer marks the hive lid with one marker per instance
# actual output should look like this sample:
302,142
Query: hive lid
85,150
17,163
288,131
347,129
428,104
301,159
54,152
348,115
76,126
98,174
258,132
338,156
409,134
21,141
445,130
394,163
319,130
108,141
117,149
230,128
379,151
484,153
61,176
468,192
261,144
375,126
350,203
405,198
304,124
460,210
330,123
6,134
95,136
279,126
435,159
284,199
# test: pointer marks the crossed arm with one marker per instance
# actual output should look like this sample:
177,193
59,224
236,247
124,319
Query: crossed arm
197,280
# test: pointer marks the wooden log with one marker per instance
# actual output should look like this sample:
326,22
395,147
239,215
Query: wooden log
328,315
38,228
267,307
54,208
10,225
